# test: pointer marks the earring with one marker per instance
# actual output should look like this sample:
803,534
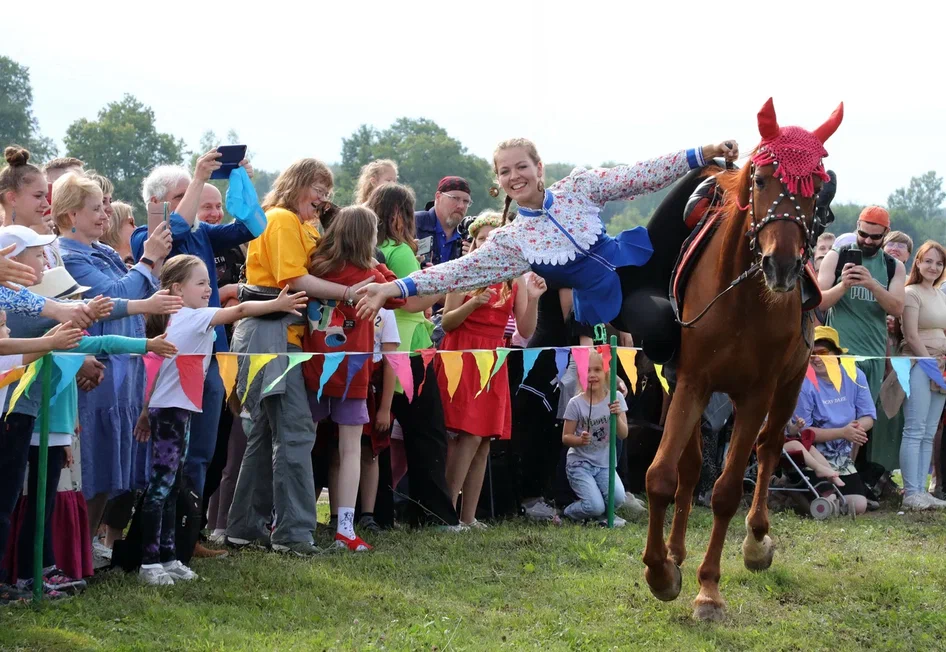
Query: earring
73,229
13,216
541,185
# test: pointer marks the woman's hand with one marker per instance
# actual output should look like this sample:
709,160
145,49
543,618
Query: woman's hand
483,297
292,303
373,296
535,286
143,427
101,307
90,374
728,149
161,346
12,272
163,302
158,245
78,313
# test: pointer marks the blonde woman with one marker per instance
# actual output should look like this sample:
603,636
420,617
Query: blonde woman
373,175
121,224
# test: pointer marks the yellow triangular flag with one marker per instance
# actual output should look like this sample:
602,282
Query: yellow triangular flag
627,357
660,376
849,364
227,366
257,362
484,362
833,368
453,368
28,377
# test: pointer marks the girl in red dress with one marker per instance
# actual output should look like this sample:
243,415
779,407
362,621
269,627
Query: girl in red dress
477,321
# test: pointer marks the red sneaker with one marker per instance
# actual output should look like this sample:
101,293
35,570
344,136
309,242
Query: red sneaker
355,545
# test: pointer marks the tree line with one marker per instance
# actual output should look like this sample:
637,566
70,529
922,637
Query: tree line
124,144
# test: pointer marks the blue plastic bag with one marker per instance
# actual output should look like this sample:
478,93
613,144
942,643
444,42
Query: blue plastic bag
243,202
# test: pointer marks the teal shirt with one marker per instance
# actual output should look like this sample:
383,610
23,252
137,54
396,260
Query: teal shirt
860,320
65,410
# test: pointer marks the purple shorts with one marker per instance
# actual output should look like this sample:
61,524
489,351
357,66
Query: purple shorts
344,412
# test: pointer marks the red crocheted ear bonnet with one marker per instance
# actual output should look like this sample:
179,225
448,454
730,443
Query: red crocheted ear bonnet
795,152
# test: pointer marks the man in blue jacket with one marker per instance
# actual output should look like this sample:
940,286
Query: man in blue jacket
440,221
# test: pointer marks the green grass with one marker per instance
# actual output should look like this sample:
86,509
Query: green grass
835,585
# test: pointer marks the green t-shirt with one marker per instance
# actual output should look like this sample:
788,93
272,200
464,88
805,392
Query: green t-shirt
860,320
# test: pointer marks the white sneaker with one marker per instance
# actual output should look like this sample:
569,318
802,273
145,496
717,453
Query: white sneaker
541,511
99,549
933,501
633,504
178,571
618,522
915,503
218,538
155,575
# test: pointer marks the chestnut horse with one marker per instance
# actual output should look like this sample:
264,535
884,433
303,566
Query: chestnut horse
752,343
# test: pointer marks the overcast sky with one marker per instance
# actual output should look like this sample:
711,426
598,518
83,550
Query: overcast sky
587,81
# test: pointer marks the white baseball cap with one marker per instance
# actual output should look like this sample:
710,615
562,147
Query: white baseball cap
23,238
57,283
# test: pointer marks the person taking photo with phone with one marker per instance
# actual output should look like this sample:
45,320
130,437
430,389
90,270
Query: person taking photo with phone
858,295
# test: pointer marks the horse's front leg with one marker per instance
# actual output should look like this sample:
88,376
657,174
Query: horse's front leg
662,574
758,549
727,493
689,468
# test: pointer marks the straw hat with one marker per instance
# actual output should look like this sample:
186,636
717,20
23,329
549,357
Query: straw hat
58,283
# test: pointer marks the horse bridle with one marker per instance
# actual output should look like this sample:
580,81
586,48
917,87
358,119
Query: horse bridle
755,228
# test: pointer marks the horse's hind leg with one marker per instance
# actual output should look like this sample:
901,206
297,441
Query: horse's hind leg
758,549
662,574
689,468
727,493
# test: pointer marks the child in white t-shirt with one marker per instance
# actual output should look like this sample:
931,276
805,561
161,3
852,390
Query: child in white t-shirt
167,415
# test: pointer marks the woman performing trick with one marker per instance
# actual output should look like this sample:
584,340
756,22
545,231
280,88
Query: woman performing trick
558,234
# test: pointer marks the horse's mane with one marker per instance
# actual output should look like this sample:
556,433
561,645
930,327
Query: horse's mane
735,187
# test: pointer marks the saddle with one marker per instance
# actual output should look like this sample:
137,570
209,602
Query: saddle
701,216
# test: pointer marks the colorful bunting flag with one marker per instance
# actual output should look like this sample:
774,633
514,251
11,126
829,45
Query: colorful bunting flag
295,359
426,355
355,362
849,365
484,363
581,355
501,355
604,350
257,362
227,365
932,370
401,362
812,376
528,361
627,357
152,362
190,369
331,364
833,369
68,366
659,368
31,374
453,368
10,376
561,360
901,367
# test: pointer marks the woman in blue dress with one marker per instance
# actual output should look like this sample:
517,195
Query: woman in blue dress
109,411
558,233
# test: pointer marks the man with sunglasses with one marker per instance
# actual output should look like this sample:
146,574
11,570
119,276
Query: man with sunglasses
861,296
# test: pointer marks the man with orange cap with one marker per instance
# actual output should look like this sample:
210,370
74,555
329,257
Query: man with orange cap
860,296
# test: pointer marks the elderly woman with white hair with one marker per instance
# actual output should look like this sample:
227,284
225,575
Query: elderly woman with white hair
173,184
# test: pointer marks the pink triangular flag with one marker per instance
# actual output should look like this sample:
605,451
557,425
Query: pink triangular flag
401,363
152,366
812,376
580,356
191,370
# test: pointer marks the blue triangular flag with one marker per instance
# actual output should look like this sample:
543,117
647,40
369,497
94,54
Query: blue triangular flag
932,370
901,367
561,360
332,361
355,362
528,361
68,366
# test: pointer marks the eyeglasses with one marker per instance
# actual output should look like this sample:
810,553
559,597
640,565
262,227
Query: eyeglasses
871,236
322,193
460,200
900,246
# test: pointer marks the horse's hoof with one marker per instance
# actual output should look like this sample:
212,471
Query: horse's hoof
708,611
672,590
758,555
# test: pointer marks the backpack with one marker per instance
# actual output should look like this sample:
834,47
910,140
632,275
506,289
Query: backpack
889,260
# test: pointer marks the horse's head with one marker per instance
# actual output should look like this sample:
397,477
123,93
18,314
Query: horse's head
784,178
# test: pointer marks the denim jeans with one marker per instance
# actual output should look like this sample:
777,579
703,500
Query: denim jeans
590,484
921,411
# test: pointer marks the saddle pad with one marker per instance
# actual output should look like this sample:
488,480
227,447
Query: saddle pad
690,253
